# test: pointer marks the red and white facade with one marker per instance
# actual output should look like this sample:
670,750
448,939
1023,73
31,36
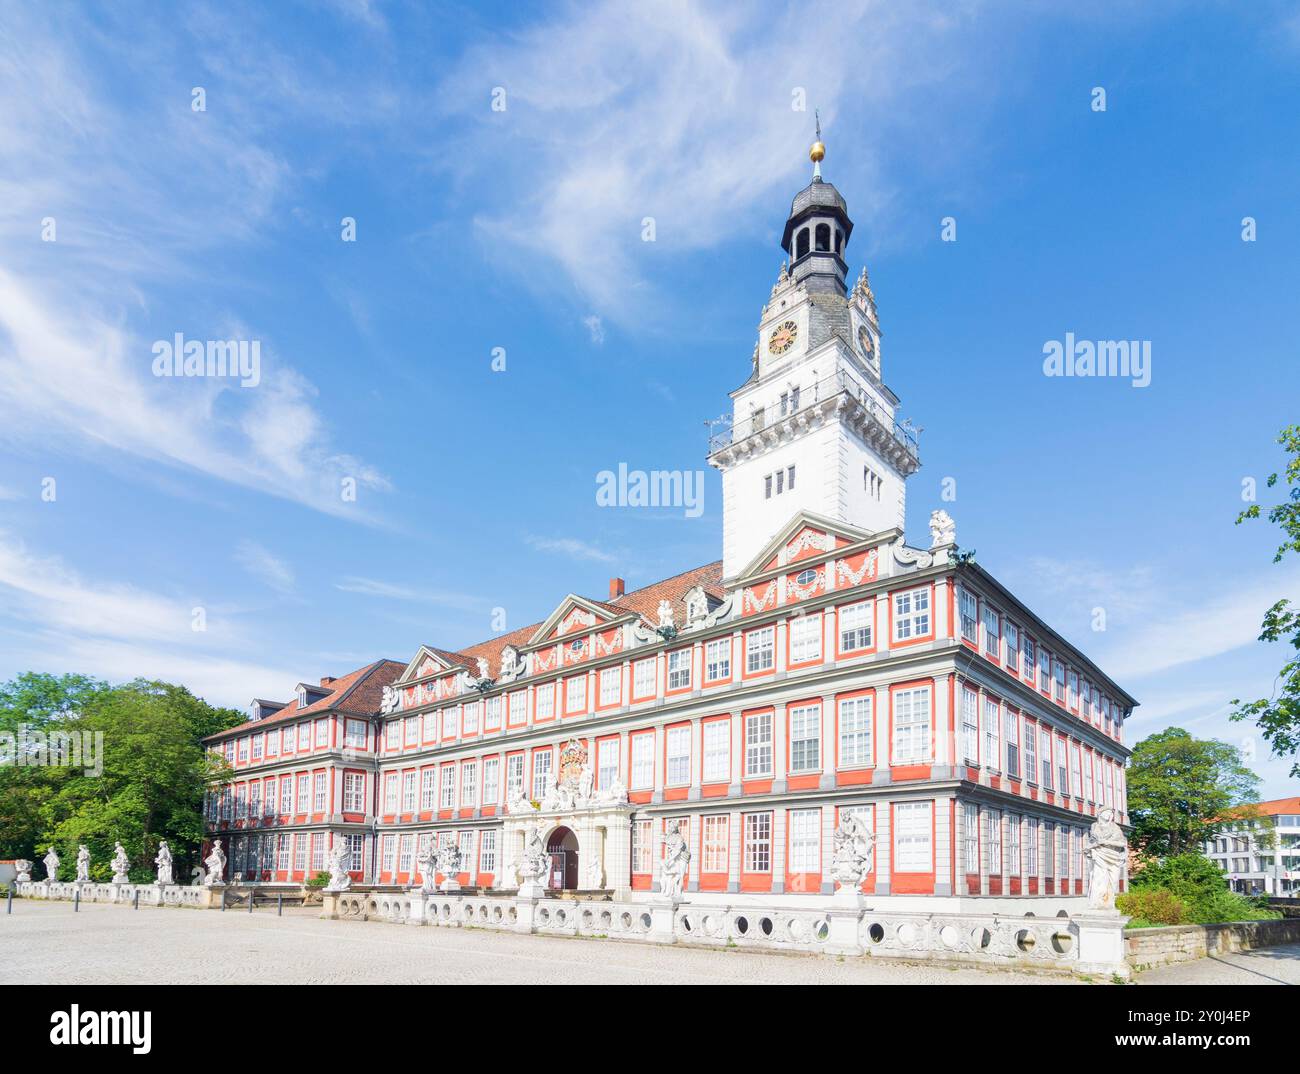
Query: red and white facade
821,666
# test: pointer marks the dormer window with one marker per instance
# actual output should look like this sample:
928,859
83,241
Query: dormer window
302,697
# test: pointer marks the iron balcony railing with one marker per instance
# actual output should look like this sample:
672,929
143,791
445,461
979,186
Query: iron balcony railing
725,431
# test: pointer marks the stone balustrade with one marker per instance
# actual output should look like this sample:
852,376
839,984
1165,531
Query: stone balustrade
150,894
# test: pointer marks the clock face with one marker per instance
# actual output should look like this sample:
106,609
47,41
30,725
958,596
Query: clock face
866,343
783,337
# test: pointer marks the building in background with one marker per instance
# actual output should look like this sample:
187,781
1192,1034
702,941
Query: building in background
1260,854
822,667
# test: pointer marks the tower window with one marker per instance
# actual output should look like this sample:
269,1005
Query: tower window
767,487
778,482
823,237
801,244
871,482
790,478
839,241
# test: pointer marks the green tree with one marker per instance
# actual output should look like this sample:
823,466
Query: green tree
1278,717
1180,786
154,770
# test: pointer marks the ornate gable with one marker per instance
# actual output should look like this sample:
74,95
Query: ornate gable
574,617
428,661
805,536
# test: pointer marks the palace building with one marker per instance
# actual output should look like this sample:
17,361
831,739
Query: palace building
821,667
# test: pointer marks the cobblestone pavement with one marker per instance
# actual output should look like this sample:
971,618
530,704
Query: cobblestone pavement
1267,965
48,943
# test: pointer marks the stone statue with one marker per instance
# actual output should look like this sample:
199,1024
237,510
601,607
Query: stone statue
449,860
216,863
338,864
851,857
665,614
428,862
1106,850
391,700
484,672
615,793
83,864
586,783
121,863
536,861
52,865
164,863
520,804
943,530
24,869
677,859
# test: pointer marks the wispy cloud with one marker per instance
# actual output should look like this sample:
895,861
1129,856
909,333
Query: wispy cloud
595,329
371,587
264,566
572,547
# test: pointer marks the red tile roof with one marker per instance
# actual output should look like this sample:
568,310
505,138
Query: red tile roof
1273,807
357,693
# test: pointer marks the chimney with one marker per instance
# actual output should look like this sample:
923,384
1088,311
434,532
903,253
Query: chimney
617,587
327,680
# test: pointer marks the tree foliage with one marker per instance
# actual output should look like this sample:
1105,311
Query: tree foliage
1180,786
1278,716
154,771
1194,882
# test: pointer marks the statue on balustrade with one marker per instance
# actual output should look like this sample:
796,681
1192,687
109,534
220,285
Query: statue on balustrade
83,864
52,865
677,859
216,863
1106,849
164,863
851,853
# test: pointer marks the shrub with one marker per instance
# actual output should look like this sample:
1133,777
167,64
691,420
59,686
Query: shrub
319,880
1199,885
1155,906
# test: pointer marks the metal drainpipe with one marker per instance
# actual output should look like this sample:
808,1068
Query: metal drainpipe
373,871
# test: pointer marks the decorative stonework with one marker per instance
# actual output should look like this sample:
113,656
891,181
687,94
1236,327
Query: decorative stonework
943,530
676,861
216,863
1107,851
24,870
52,865
853,847
164,862
338,866
83,864
121,863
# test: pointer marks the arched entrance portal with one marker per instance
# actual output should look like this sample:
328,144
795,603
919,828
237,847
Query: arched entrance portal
562,846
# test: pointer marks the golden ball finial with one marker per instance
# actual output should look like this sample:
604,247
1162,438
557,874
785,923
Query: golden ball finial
817,153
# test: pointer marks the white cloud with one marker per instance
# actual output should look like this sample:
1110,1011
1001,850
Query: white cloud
371,587
261,564
572,547
595,328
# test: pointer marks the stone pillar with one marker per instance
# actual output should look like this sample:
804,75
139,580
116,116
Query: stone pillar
737,754
778,849
735,837
418,907
697,760
779,717
828,741
1101,943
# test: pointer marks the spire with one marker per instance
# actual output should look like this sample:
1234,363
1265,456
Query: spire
818,151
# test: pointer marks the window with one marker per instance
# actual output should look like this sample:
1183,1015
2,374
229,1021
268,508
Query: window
300,852
760,650
856,718
255,800
546,701
354,792
805,577
1076,772
1072,690
303,788
428,789
872,482
386,853
992,633
913,844
1031,847
643,761
487,851
758,843
1013,647
1013,743
678,747
805,639
912,614
992,752
518,707
1031,752
282,859
269,799
1045,740
470,721
322,733
970,725
257,747
805,738
717,660
643,681
855,626
272,743
575,694
354,734
716,837
610,682
356,853
1044,669
491,780
243,750
450,721
514,776
912,725
469,785
970,626
286,795
1062,852
805,841
679,669
1058,674
408,792
1087,777
492,714
241,805
642,861
541,773
447,787
758,745
716,762
607,762
971,841
391,731
390,793
304,737
993,839
230,751
1027,651
405,853
1013,844
1063,777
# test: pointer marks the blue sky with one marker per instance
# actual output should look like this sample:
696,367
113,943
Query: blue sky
521,229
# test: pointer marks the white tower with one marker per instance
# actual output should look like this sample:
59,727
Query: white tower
814,428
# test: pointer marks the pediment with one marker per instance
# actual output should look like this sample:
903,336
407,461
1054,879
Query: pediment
806,535
574,615
428,661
